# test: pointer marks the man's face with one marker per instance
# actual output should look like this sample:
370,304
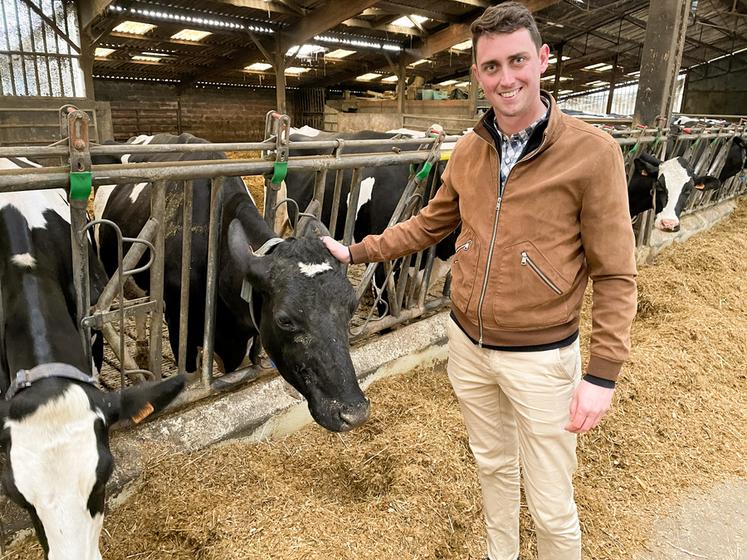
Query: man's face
508,67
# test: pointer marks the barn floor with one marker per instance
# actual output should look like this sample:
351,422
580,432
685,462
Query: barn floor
404,485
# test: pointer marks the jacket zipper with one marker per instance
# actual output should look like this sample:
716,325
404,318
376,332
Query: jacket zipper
463,247
501,190
527,260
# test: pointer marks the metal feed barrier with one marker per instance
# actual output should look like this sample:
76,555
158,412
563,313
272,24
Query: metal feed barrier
408,296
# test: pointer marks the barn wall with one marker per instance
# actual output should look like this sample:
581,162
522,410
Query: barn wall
445,107
35,120
218,115
723,95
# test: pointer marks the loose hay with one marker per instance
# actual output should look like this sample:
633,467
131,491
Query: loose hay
255,184
405,486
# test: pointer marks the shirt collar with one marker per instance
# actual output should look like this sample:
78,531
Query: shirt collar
527,132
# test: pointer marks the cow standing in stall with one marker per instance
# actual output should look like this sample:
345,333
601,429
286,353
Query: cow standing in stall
380,191
54,419
292,293
665,186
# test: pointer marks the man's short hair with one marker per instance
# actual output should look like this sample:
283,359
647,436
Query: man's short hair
505,18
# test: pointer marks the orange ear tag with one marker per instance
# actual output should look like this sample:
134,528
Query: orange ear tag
143,413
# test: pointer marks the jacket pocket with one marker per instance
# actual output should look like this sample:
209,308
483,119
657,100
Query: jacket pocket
464,270
530,292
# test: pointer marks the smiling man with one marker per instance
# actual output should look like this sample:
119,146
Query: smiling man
542,200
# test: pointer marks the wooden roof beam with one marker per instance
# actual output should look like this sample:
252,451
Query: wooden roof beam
323,19
89,10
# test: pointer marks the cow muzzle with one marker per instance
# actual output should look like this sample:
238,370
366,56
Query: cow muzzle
668,225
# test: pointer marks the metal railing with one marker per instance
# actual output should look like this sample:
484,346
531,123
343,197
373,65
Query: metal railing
407,294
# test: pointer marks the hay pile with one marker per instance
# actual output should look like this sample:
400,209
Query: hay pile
404,485
255,184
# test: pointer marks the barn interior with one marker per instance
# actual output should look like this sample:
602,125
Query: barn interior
216,67
404,484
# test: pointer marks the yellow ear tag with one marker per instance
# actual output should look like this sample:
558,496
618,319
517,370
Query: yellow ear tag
143,413
700,186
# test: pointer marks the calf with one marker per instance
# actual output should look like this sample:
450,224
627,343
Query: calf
666,187
53,419
295,297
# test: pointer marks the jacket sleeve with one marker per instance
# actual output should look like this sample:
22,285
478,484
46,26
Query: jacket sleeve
609,246
434,222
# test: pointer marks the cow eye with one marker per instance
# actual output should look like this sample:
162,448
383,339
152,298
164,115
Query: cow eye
285,322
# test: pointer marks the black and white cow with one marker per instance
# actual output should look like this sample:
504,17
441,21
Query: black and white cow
380,190
302,301
53,419
669,184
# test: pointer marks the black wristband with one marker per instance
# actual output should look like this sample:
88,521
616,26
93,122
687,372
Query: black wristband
599,381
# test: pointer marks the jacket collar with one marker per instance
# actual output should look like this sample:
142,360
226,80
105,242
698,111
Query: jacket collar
543,136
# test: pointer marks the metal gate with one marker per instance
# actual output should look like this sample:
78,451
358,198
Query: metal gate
407,294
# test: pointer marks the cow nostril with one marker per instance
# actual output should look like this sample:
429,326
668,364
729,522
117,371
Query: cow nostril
355,415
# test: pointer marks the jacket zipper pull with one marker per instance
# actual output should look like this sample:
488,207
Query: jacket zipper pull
524,258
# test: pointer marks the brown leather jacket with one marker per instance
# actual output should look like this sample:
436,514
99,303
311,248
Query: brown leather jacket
523,259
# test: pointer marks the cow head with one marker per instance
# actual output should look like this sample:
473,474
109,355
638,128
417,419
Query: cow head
669,184
303,304
644,190
57,459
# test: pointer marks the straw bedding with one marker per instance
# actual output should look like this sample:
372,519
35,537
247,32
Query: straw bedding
404,485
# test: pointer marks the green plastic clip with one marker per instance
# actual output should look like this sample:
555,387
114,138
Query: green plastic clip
80,185
423,173
280,170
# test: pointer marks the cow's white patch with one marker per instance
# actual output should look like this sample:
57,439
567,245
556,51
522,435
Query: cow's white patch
103,193
366,191
53,456
143,139
33,204
136,190
24,260
5,163
306,130
312,270
675,179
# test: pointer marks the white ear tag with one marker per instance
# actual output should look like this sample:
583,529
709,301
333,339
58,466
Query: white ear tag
246,291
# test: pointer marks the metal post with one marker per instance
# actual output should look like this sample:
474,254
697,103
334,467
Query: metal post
157,212
75,125
186,270
208,341
280,125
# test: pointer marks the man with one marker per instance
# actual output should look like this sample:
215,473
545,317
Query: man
542,200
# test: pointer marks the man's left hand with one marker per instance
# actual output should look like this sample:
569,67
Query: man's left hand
588,406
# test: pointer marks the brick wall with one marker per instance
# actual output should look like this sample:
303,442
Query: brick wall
218,115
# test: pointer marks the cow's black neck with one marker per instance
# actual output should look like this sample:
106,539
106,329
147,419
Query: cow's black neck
36,323
240,206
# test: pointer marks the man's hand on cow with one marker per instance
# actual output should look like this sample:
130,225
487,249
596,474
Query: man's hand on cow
588,406
338,250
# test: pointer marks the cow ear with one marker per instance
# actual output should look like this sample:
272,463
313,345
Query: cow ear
309,224
256,269
706,183
140,401
647,164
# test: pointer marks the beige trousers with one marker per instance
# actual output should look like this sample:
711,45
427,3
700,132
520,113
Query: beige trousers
515,406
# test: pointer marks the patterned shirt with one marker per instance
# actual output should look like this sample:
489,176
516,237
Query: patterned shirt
513,146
